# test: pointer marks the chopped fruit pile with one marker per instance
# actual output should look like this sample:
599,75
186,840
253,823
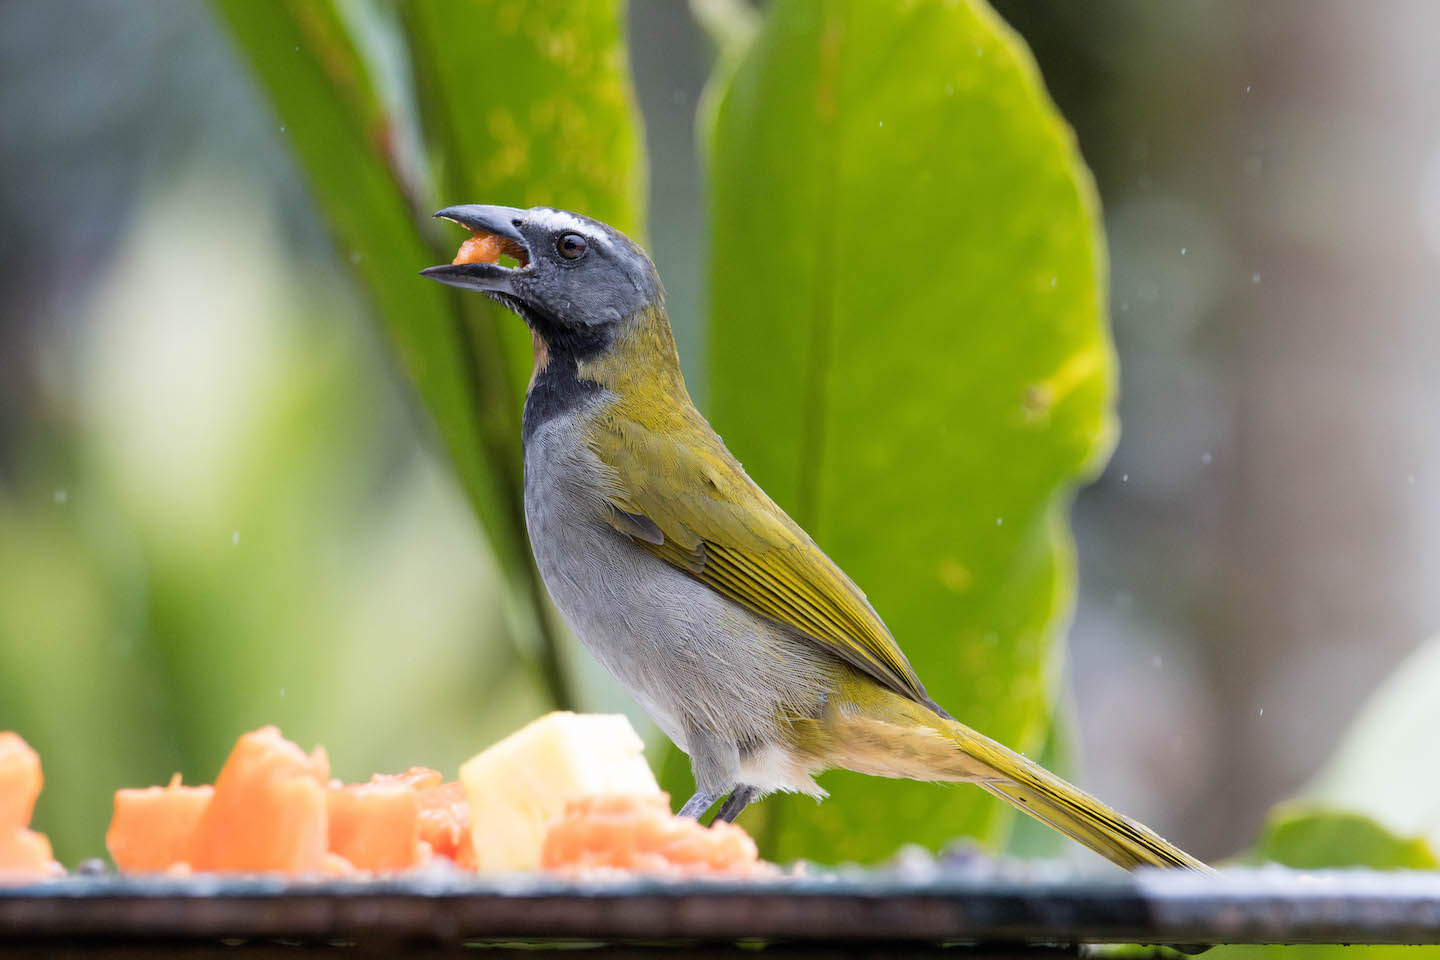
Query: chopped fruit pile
626,832
568,792
23,852
487,248
274,807
395,822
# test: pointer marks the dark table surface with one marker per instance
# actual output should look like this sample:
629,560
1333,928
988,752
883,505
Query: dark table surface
1005,909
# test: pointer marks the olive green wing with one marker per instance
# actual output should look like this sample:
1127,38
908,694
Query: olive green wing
682,496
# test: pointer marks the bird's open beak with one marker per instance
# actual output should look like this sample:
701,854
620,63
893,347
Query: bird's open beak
502,222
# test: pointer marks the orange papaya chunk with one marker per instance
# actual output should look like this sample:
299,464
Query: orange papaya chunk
20,781
268,811
25,855
375,826
639,833
487,248
445,822
154,829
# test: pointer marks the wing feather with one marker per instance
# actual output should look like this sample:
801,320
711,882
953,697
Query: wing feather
680,494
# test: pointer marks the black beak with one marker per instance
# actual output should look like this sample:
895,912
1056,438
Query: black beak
501,221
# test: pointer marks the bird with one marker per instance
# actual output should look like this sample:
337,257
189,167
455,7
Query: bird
744,642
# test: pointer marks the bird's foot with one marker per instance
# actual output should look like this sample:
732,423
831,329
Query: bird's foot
738,800
698,804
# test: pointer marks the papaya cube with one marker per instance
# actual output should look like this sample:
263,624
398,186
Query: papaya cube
153,830
268,811
376,825
20,781
25,855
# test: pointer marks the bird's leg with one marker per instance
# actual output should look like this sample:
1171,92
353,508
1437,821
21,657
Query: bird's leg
738,800
698,804
715,761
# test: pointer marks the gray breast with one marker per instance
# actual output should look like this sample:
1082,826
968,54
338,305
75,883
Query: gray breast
700,664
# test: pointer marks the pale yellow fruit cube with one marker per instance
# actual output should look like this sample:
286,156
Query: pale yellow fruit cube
519,787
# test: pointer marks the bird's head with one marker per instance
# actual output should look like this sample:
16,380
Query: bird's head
576,281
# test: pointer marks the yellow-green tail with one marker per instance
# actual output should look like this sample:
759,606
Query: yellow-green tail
881,733
1029,787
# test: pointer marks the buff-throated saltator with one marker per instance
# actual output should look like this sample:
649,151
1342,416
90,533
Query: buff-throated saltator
748,646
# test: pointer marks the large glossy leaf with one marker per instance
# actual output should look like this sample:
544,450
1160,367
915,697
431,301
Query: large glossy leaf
909,352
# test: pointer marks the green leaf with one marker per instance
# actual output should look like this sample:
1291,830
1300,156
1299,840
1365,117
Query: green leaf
1382,765
523,105
330,114
1372,805
1307,837
909,352
1310,837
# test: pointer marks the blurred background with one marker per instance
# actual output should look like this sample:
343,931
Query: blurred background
217,509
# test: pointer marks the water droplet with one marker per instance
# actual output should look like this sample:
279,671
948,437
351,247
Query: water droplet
999,521
1052,282
61,494
1124,478
235,538
282,691
282,128
1255,277
1248,88
1183,251
882,123
1262,711
1205,458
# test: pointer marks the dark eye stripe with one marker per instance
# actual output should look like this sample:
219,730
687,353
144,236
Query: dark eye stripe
572,246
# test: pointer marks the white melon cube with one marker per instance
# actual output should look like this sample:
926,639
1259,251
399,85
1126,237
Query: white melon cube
519,787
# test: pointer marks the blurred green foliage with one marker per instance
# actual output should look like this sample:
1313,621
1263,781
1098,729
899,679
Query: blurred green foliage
907,347
245,535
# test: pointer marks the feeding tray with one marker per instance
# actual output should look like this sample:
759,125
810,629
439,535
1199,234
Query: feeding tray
1006,907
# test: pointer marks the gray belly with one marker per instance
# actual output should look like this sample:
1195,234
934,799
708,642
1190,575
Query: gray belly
702,666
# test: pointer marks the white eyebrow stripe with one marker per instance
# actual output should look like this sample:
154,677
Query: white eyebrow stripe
558,221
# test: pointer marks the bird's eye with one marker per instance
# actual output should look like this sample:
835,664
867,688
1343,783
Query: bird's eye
572,246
